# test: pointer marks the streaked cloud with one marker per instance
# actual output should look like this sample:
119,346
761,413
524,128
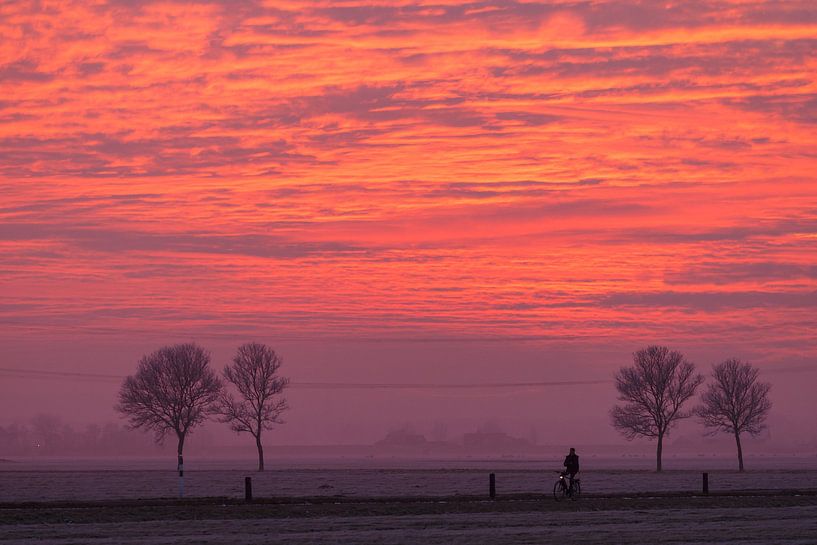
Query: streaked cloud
417,170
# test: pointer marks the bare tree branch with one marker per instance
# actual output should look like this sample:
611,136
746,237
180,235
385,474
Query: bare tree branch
173,390
735,402
254,373
654,391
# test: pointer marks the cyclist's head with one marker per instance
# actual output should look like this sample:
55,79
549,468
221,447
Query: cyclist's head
572,451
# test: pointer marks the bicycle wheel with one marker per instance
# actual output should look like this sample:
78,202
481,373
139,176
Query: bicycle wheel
559,490
577,490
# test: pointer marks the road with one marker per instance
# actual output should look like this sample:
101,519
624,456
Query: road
780,519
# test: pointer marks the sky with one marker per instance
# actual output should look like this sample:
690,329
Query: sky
409,192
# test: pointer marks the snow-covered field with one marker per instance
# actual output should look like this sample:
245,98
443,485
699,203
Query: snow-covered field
359,517
47,480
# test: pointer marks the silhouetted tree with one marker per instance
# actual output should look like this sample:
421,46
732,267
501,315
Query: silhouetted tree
254,373
173,390
654,389
47,430
735,402
15,440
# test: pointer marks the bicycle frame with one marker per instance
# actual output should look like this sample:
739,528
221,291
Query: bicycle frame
566,487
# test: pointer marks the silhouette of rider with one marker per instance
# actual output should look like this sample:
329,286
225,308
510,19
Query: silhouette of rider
572,464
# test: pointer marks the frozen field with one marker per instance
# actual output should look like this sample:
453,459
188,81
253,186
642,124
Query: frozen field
391,502
131,479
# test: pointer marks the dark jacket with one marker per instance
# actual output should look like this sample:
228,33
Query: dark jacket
572,463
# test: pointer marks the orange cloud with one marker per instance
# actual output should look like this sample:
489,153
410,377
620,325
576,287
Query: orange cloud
515,170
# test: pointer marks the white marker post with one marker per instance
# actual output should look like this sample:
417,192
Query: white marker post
181,476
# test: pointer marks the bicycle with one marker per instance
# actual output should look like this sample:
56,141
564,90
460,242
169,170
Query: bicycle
565,487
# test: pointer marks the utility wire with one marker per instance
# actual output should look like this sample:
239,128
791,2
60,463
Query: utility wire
40,374
8,372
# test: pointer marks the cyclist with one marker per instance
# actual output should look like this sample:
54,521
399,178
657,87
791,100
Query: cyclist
572,465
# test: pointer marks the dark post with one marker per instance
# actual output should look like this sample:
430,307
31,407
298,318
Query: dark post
706,483
248,489
492,485
181,476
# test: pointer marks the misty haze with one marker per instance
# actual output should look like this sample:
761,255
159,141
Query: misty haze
430,272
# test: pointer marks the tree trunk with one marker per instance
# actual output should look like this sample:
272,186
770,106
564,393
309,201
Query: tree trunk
180,466
740,451
260,452
658,452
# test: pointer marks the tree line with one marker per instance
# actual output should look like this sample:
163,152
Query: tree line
655,389
174,390
49,435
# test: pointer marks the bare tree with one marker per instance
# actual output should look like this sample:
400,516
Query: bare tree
735,402
254,373
654,389
173,390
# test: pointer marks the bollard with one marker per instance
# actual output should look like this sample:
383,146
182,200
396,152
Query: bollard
706,483
492,486
248,489
181,476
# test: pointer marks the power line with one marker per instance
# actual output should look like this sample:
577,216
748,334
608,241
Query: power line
8,372
34,373
41,374
441,386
